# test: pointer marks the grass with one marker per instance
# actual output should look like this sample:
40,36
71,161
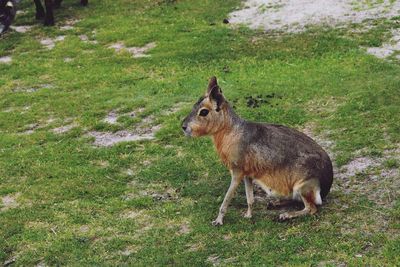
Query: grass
152,202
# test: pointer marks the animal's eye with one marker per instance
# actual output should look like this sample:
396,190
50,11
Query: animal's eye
203,112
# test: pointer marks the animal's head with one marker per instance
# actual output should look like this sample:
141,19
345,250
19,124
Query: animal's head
208,114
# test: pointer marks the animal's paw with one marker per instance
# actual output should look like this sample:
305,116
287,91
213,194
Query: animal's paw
247,215
49,22
217,222
284,216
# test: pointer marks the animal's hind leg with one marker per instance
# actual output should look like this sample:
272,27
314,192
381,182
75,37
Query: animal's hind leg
309,207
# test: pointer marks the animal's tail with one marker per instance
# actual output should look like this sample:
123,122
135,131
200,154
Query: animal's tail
327,179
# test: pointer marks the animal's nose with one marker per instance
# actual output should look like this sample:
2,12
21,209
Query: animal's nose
184,128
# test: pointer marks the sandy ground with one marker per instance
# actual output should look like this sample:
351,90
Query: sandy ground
295,15
135,51
5,59
390,48
50,43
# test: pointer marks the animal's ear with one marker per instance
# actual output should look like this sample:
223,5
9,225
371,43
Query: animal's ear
214,93
211,84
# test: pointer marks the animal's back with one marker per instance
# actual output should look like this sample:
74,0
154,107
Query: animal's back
281,152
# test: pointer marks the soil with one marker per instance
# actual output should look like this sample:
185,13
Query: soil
5,59
50,43
21,28
296,15
389,48
135,51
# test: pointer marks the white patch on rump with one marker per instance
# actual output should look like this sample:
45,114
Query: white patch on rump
317,197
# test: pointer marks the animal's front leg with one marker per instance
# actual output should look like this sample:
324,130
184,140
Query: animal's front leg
236,179
49,18
39,9
249,196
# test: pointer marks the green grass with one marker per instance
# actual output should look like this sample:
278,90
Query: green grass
77,205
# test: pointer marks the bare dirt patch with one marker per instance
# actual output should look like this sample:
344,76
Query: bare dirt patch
145,130
64,129
5,60
84,38
296,15
10,261
30,128
109,139
159,192
37,225
111,117
69,24
195,247
117,46
184,228
50,43
128,172
101,163
84,229
140,217
140,51
25,90
21,110
68,59
136,52
358,165
10,201
389,48
72,21
8,110
21,28
21,12
214,260
175,108
129,250
169,194
66,28
31,89
41,264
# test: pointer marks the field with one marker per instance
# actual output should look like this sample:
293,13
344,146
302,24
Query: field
71,194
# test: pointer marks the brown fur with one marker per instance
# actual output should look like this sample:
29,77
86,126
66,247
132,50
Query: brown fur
282,160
